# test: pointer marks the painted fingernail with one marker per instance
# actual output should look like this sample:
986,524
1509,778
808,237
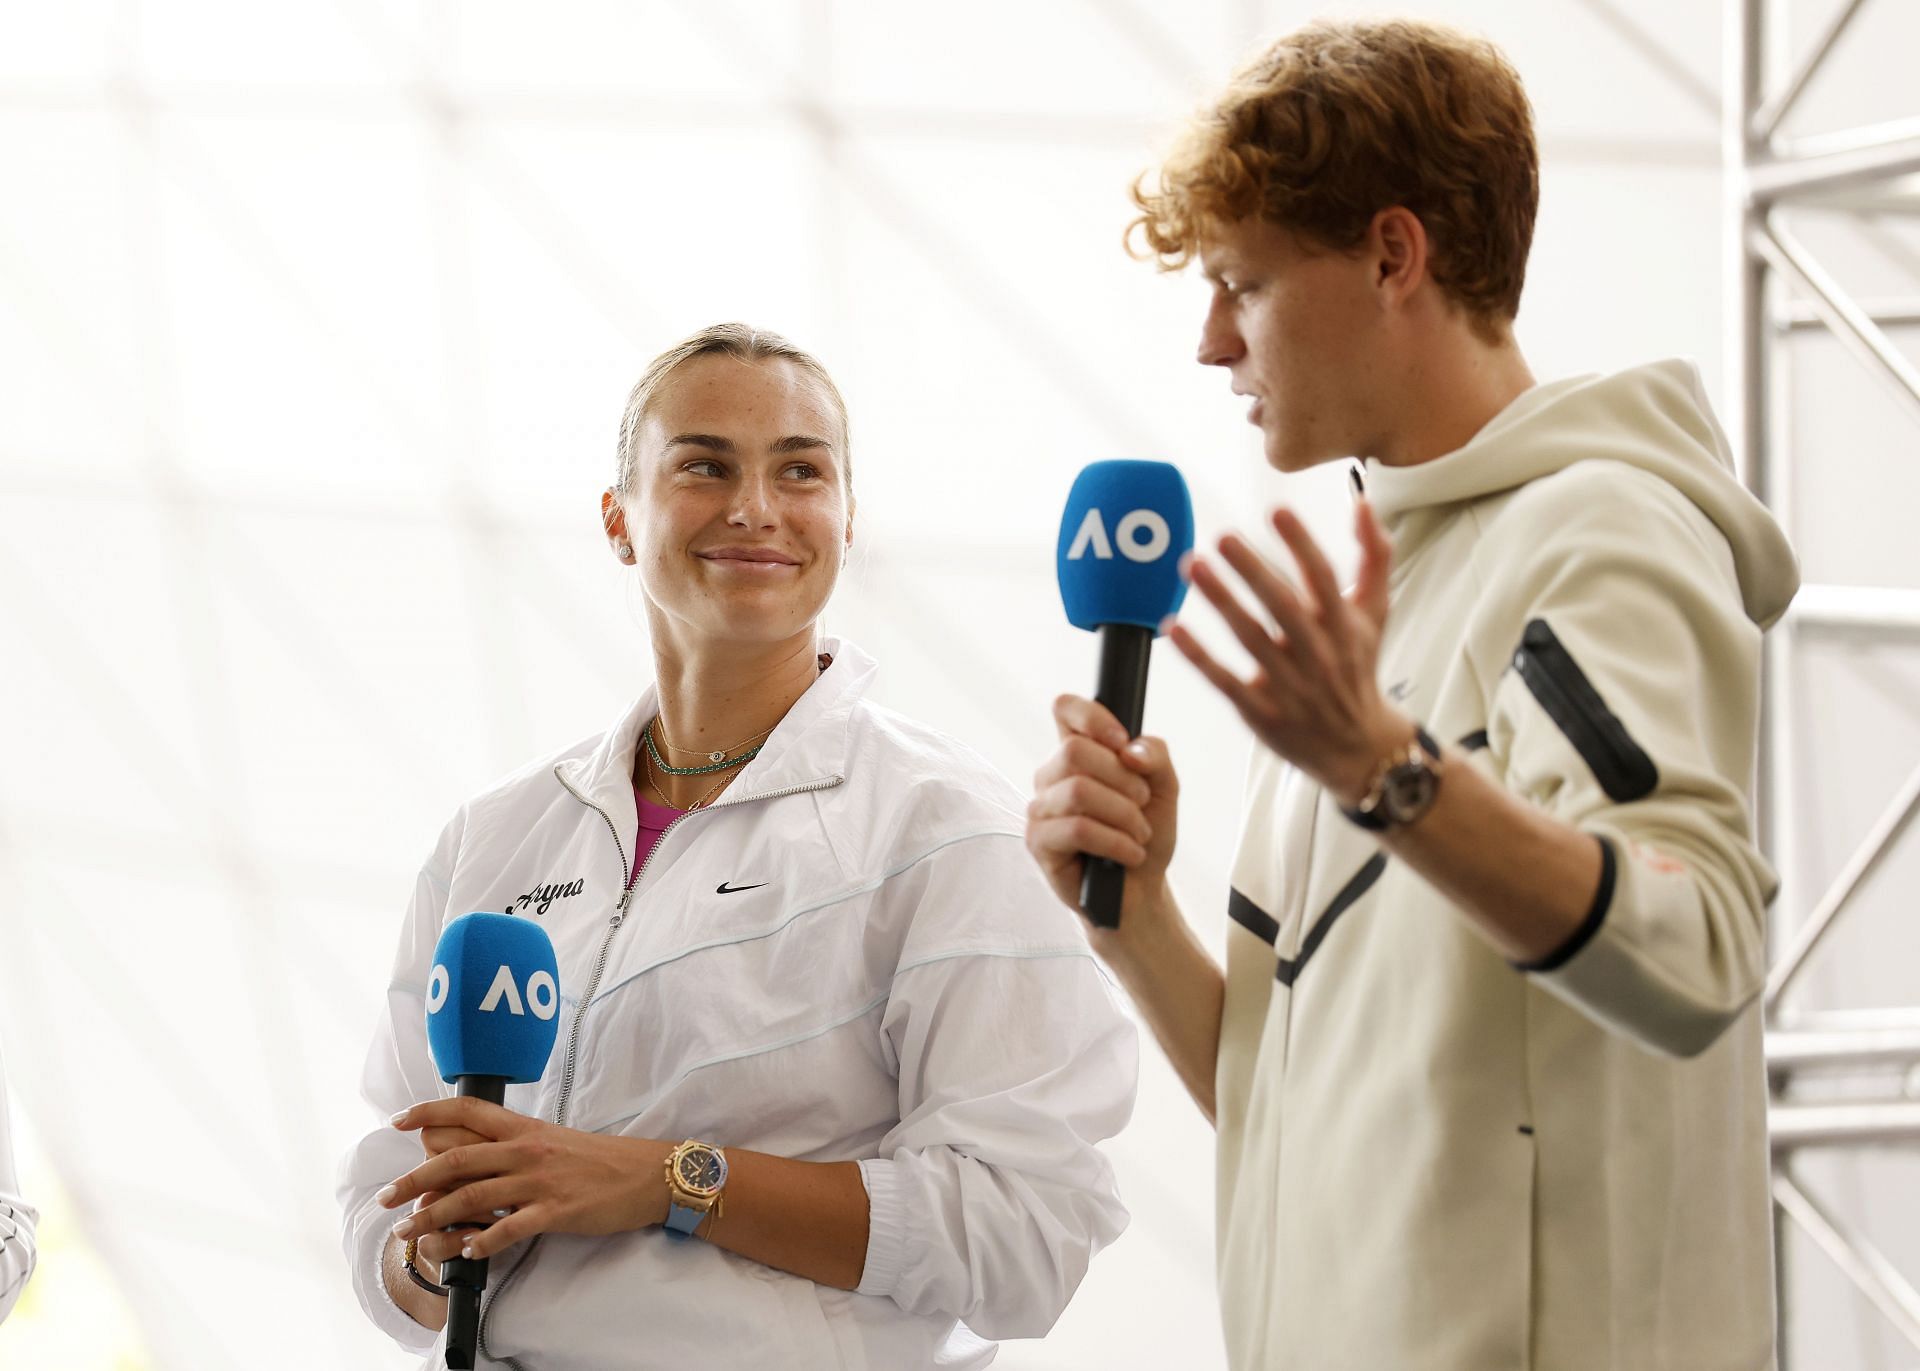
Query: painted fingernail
403,1229
1138,749
466,1250
396,1118
386,1196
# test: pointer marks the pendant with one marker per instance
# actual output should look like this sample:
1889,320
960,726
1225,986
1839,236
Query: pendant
716,756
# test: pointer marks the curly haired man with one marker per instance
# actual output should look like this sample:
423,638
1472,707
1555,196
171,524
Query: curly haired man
1485,1055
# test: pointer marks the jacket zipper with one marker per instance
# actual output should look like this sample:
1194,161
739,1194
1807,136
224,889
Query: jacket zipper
571,1061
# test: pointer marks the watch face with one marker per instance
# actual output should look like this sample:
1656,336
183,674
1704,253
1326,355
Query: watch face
701,1170
1409,789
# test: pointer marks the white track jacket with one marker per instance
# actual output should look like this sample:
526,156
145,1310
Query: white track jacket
1433,1160
886,978
17,1220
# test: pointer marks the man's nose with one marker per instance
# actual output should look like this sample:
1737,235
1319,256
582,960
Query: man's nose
1220,343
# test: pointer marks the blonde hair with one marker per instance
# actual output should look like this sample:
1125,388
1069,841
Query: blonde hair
1340,120
743,343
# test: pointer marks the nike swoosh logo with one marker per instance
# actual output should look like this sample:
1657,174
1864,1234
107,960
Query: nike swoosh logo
724,889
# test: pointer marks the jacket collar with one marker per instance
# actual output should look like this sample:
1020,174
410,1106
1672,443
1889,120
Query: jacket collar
806,750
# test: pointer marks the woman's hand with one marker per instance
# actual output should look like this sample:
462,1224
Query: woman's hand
1313,697
434,1141
524,1177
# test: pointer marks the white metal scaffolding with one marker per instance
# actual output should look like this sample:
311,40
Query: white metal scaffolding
1778,288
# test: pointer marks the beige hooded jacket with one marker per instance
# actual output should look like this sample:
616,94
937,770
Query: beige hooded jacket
1434,1160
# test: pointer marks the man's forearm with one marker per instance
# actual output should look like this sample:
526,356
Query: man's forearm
1178,987
1525,879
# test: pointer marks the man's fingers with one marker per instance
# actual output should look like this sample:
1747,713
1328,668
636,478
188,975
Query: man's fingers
1082,756
1305,638
1077,834
1077,714
1222,680
1078,796
1148,756
1254,636
1315,570
1376,564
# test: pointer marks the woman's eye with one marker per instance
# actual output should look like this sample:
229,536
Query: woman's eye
706,466
806,471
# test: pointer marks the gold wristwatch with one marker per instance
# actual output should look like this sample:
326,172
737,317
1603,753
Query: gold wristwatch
1403,789
696,1178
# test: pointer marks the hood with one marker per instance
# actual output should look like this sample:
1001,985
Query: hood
1654,417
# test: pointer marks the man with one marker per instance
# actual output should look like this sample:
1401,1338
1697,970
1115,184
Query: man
1485,1058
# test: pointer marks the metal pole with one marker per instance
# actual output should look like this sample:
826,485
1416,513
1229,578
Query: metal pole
1893,151
1884,611
1878,842
1862,1263
1768,117
1742,91
1848,321
1899,313
1791,1050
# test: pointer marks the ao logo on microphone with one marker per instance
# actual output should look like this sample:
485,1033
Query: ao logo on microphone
1143,536
543,996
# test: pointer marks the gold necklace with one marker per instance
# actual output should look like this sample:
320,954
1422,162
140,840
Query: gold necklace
720,755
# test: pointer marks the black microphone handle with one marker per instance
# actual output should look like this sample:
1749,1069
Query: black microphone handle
466,1277
1124,653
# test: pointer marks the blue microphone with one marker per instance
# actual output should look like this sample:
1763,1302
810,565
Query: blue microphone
1126,527
493,1011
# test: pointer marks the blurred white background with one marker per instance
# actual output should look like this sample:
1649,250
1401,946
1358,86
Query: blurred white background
315,326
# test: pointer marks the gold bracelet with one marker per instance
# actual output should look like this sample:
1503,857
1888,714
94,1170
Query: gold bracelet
407,1254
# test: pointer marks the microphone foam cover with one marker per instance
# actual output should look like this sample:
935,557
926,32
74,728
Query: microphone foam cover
1126,527
493,998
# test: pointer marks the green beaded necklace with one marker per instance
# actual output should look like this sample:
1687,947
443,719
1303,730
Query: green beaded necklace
722,765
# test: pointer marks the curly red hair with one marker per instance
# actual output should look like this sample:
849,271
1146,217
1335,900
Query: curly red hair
1338,121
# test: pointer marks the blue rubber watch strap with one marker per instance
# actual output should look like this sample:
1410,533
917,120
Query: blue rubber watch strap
682,1220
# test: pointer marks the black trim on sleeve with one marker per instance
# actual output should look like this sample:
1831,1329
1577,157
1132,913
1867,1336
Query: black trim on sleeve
1596,915
1623,769
1289,971
1474,741
1252,917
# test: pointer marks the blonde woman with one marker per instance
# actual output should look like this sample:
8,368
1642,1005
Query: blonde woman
832,1063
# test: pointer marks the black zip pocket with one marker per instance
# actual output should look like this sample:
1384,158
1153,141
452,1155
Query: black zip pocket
1622,767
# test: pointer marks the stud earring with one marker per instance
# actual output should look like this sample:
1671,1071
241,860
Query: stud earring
624,551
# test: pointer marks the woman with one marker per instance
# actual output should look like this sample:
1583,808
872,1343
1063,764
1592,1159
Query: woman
17,1219
800,945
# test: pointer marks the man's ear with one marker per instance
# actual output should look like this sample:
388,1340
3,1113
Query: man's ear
1399,248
